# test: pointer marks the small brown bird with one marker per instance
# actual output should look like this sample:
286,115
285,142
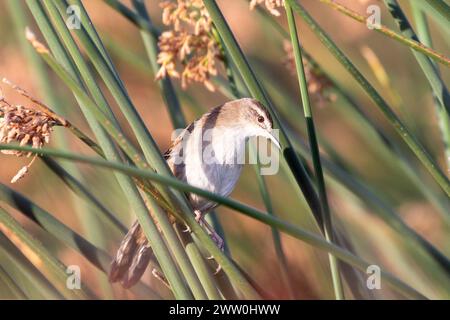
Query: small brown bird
208,154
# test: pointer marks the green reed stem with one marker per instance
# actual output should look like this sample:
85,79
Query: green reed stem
337,170
91,226
235,91
86,21
117,89
417,46
358,115
167,89
326,217
146,142
431,72
421,23
283,226
9,286
78,188
256,90
205,275
436,15
132,194
186,264
150,34
31,280
50,266
277,242
370,197
440,7
236,277
63,233
96,256
178,121
404,133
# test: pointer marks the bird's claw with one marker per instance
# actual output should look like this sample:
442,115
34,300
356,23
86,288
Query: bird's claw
187,229
199,217
221,245
218,269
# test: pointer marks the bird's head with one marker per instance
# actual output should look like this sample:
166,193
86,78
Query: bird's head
248,118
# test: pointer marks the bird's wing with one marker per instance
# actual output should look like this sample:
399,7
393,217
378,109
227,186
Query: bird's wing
175,143
174,151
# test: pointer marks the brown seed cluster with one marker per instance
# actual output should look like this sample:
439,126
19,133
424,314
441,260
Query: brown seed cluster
189,50
318,83
25,126
271,5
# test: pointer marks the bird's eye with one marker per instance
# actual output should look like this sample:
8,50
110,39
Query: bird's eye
260,119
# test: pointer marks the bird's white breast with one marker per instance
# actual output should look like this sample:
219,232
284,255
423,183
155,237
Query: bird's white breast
213,164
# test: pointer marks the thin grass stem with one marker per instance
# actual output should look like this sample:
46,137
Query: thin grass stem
8,285
417,46
238,280
326,217
281,225
400,128
432,73
161,251
256,90
96,256
51,267
32,281
178,121
358,115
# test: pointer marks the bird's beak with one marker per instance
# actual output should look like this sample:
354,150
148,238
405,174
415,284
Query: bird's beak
274,140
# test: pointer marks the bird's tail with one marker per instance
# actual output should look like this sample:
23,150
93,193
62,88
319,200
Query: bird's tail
131,259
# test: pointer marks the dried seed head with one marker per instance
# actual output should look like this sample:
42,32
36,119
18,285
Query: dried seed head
183,14
271,5
318,83
189,44
25,126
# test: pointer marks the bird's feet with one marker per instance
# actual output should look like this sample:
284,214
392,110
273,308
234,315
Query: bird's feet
219,267
186,229
200,218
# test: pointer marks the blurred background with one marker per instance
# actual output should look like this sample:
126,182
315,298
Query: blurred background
250,242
